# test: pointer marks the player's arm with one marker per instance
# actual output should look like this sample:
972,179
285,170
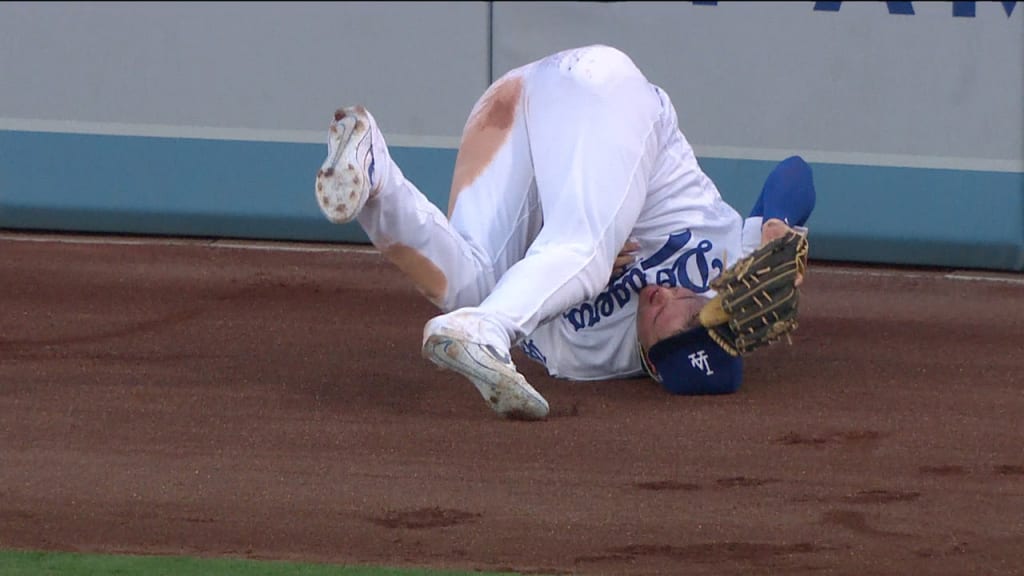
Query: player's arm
628,255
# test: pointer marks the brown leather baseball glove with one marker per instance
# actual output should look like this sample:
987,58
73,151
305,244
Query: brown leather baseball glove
757,298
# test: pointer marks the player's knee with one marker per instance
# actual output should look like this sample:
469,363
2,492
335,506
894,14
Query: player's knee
597,65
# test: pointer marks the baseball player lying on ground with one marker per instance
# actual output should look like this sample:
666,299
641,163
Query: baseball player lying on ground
571,170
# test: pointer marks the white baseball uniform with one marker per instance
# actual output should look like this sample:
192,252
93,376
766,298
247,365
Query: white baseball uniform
562,160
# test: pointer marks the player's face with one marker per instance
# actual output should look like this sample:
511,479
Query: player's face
664,312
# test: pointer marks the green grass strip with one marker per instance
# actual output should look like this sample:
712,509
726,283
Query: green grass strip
20,563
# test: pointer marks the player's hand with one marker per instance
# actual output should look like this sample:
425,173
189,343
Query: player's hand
775,228
626,257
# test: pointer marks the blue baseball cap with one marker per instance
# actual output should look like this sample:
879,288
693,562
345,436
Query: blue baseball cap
692,363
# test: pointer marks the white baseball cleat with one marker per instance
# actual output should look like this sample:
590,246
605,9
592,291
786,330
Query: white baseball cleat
490,369
348,176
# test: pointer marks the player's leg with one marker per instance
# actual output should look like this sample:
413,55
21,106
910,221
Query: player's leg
493,203
592,121
494,206
359,180
788,195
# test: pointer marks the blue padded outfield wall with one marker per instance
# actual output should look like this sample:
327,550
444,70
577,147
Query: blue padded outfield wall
208,119
181,186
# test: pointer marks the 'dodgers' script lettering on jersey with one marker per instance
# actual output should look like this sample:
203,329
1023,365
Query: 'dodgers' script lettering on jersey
672,265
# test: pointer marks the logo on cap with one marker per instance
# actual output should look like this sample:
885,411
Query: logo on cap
699,360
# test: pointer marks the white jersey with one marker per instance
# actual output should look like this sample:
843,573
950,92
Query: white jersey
562,160
687,235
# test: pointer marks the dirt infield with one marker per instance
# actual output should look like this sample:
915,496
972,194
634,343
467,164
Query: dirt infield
194,399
